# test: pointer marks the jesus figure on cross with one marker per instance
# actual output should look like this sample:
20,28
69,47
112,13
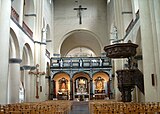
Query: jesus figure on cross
37,74
79,9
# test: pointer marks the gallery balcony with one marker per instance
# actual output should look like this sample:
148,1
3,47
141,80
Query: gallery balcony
80,62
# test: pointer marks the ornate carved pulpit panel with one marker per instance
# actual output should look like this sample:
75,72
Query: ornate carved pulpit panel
130,77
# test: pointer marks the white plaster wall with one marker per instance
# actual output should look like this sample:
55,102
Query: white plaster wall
48,17
22,38
110,18
93,19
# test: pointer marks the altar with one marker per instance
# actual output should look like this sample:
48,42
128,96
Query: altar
63,89
81,89
99,90
82,97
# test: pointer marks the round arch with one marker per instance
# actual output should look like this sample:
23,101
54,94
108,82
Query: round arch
101,74
14,50
59,75
101,84
81,74
59,78
27,57
25,78
81,86
80,38
14,68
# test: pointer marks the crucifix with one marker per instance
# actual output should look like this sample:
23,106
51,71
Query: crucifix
79,9
37,74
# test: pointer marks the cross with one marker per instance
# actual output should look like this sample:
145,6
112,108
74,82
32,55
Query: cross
79,9
37,74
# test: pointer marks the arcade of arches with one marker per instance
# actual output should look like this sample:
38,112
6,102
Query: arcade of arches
80,85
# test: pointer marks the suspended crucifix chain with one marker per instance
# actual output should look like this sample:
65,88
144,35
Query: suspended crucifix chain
37,74
79,9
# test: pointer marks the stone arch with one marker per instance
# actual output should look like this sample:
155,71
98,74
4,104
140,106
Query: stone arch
80,38
27,57
25,78
57,77
81,74
14,50
105,83
81,88
14,68
104,75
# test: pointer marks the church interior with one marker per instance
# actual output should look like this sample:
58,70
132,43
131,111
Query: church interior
80,56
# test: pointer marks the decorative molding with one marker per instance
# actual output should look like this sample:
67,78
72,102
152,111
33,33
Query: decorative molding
127,12
15,60
30,15
27,67
121,50
37,42
44,43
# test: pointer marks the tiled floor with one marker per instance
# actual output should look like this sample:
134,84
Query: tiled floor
80,108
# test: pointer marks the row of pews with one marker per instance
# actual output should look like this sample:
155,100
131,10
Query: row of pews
112,107
47,107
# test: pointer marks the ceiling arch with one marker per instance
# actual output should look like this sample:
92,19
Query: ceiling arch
80,38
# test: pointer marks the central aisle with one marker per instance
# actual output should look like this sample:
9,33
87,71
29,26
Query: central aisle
79,107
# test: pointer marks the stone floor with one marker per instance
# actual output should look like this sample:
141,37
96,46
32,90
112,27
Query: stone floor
80,107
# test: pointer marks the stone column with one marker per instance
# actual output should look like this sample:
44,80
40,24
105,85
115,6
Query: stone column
91,89
71,89
14,80
148,48
43,62
4,50
118,66
157,25
21,12
43,94
29,85
54,89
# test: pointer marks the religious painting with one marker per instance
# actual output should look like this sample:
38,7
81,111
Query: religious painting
63,84
99,83
63,89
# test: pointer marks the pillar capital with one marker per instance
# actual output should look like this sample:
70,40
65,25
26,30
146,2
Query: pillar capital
15,60
27,67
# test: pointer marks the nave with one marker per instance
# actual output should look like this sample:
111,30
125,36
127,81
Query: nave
83,107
